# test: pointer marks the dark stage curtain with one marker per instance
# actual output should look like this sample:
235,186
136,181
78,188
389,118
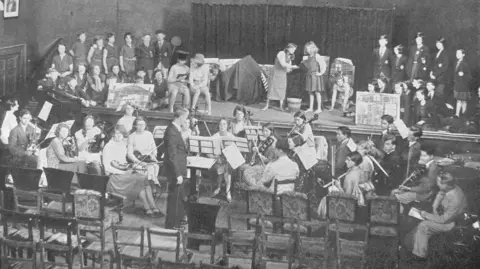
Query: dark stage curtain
233,31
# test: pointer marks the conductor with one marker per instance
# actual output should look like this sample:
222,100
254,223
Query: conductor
175,169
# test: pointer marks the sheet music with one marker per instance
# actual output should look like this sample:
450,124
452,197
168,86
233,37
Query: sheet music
51,133
351,145
401,128
205,144
234,156
240,142
45,111
159,132
307,155
415,212
200,162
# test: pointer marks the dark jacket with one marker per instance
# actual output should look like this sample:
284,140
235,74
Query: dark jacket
381,64
163,54
462,77
440,67
422,60
175,154
340,157
399,69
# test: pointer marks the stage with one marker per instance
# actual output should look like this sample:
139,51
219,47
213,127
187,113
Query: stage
326,125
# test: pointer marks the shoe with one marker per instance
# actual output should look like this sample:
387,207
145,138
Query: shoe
148,212
318,111
229,197
216,192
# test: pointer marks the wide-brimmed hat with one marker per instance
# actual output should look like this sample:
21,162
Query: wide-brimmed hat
199,58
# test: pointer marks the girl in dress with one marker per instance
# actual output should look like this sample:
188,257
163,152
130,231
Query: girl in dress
79,50
126,183
237,125
141,141
461,83
316,67
127,56
110,53
85,137
221,166
95,54
278,82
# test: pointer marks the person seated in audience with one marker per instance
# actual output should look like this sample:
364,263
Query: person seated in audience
128,118
199,77
237,125
81,76
371,87
418,84
142,74
73,92
160,91
121,77
279,169
423,111
139,80
424,190
143,150
95,54
110,53
351,183
126,182
85,139
221,166
50,82
127,56
96,85
343,137
61,153
63,62
440,107
79,50
341,94
449,205
21,141
392,163
178,81
382,85
412,154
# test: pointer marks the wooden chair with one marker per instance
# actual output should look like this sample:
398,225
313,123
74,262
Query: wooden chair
101,263
295,206
260,203
26,187
243,232
165,242
312,252
64,241
174,265
243,259
341,211
199,255
9,254
19,227
384,219
59,184
276,249
93,210
129,254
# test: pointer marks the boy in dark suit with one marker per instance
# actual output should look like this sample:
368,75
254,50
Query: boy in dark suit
399,63
382,57
163,53
176,169
20,140
343,136
392,163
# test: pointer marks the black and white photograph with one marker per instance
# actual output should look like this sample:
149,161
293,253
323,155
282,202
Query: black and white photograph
222,134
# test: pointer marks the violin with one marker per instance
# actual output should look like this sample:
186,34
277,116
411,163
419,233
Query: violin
292,133
415,176
144,158
99,138
262,148
121,166
70,146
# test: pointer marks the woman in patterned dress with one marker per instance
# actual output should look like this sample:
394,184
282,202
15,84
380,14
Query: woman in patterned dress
316,67
278,82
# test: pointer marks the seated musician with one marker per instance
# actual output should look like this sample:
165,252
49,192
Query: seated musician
269,143
190,128
86,139
122,181
280,168
302,131
449,204
425,188
96,85
237,125
63,62
142,149
366,150
343,136
178,80
128,118
392,163
351,184
61,153
423,111
21,141
221,166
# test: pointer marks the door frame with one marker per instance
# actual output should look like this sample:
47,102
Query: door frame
22,49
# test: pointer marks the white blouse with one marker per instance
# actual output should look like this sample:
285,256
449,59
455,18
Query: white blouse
114,151
9,122
127,122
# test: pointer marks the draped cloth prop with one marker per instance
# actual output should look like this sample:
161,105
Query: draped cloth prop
243,82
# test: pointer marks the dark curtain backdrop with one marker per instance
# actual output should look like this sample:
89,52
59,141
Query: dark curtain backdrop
234,31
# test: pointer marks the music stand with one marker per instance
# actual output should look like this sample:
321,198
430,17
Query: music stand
200,145
254,133
240,142
158,134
